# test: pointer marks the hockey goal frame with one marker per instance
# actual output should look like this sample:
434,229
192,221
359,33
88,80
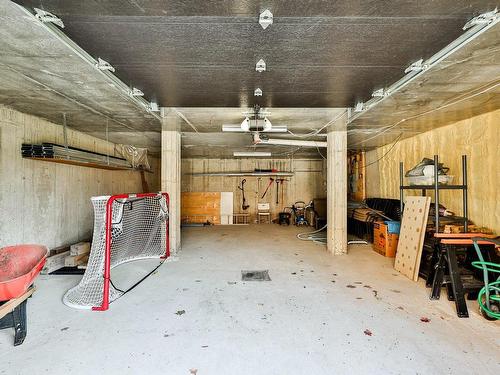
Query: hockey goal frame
107,252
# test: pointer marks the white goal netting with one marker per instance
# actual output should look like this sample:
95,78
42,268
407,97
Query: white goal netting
136,228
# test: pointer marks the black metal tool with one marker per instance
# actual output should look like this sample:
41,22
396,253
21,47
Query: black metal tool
271,180
244,204
277,191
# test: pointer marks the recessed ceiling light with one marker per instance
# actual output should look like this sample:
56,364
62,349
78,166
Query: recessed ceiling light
260,66
266,19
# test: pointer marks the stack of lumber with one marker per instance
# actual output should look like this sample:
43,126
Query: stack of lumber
75,255
364,214
78,255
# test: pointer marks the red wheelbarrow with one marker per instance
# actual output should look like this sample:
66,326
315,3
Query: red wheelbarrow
19,266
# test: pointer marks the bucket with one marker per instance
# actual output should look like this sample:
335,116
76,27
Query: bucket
393,227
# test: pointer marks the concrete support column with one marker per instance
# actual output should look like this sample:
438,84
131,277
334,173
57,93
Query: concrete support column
171,173
337,187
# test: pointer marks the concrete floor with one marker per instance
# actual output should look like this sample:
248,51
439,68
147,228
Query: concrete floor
310,319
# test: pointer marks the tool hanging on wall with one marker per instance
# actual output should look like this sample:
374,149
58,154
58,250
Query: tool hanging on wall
282,181
277,191
244,204
271,180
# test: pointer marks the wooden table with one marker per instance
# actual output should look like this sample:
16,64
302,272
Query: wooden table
447,261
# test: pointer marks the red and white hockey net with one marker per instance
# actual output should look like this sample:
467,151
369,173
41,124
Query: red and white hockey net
127,227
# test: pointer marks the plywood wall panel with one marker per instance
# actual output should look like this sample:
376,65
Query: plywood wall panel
477,137
307,183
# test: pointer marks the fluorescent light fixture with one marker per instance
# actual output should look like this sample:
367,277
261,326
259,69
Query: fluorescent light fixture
251,154
261,127
289,142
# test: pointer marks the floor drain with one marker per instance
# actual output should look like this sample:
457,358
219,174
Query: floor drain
255,276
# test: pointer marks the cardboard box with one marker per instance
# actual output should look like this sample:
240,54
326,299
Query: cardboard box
384,243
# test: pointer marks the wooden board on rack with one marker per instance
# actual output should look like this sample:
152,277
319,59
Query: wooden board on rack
411,237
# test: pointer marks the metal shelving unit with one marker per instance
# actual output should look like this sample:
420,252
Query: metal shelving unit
437,187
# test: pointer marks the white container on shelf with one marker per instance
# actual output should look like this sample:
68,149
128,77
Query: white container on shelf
429,180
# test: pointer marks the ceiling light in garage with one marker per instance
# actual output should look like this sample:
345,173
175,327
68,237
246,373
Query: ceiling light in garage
485,18
260,66
230,128
359,107
136,92
259,125
45,16
104,65
380,93
257,92
154,107
266,19
245,125
287,142
251,154
417,66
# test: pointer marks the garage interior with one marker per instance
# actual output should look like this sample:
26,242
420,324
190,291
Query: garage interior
328,176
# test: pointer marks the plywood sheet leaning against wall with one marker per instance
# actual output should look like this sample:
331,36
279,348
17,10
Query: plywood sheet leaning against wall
200,207
411,237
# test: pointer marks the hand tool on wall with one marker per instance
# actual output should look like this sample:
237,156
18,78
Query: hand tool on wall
277,191
271,180
282,181
244,204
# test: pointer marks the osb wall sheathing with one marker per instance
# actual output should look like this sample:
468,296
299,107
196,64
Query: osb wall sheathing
308,182
49,203
477,137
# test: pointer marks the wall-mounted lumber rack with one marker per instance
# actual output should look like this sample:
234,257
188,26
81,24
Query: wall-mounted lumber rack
243,174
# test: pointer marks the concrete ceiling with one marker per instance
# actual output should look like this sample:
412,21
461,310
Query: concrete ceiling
189,53
42,76
202,136
463,85
200,59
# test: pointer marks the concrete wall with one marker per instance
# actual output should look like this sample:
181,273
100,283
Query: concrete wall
308,182
49,203
477,137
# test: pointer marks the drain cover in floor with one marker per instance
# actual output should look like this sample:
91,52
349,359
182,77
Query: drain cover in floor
255,276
